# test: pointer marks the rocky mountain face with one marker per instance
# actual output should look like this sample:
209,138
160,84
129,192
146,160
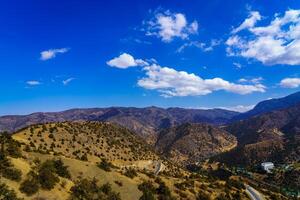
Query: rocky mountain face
191,143
273,136
143,121
270,105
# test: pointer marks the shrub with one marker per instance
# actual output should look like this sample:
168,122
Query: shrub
86,189
148,190
12,174
130,172
105,165
30,185
119,183
147,185
203,196
47,175
164,192
147,195
7,194
234,183
61,170
84,157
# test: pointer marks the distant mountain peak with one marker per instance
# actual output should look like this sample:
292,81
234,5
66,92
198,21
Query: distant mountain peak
270,105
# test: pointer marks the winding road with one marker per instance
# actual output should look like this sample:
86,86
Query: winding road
253,194
158,168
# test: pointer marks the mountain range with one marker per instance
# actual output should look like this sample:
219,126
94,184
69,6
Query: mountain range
191,135
144,121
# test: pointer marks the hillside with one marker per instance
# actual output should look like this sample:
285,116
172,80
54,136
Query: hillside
273,136
95,160
190,143
270,105
143,121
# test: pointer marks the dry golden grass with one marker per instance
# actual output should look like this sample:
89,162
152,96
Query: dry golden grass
101,140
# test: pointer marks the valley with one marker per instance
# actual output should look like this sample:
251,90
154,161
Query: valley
190,154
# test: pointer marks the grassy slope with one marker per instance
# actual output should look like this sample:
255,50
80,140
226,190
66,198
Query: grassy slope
130,151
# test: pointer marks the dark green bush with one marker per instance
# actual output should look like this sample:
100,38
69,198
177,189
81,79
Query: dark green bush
148,190
30,185
130,172
61,170
7,194
105,165
47,175
86,189
12,174
203,196
163,192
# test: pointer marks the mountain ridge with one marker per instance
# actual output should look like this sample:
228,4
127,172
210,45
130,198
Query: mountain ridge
144,121
270,105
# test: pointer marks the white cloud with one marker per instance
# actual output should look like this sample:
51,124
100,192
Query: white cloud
256,80
237,65
67,81
126,60
51,53
249,22
169,25
276,43
197,44
33,83
238,108
290,82
201,45
170,83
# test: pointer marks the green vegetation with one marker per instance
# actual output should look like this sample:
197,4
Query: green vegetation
130,172
7,194
148,190
9,147
203,196
105,165
31,184
89,190
46,176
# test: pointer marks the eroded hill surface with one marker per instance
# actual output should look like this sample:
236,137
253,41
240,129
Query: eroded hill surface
192,143
143,121
274,136
94,160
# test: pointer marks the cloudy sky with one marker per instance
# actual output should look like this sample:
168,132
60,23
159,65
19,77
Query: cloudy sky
56,55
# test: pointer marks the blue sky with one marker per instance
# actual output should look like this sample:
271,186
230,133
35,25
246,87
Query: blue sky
56,55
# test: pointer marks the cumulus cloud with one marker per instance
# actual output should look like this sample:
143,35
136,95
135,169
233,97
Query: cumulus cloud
33,83
275,43
125,61
290,82
51,53
201,45
168,26
170,83
67,81
249,22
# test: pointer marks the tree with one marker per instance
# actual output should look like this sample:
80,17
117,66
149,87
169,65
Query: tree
130,172
31,184
47,175
61,170
7,194
148,190
85,189
105,165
